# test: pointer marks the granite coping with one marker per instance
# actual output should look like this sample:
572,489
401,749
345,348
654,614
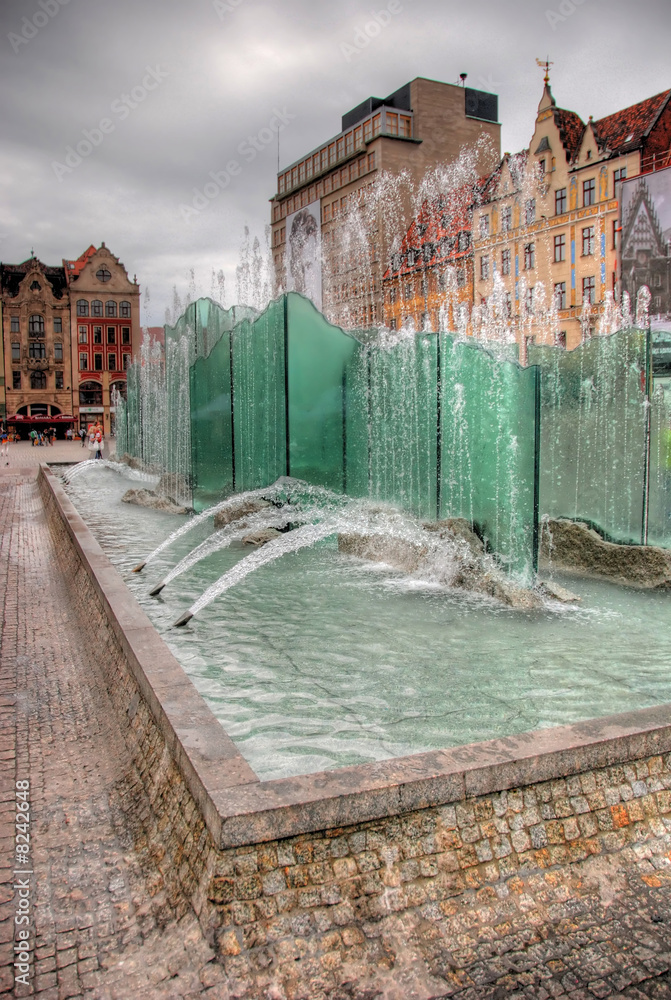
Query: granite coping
240,809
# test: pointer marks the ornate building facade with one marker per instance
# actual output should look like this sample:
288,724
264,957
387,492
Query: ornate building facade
69,333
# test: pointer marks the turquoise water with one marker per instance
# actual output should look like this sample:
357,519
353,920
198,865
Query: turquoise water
319,660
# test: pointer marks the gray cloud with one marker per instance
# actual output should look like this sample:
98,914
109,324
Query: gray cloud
226,71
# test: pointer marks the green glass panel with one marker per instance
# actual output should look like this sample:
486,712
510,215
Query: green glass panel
488,427
659,504
259,398
318,355
593,421
211,425
403,414
357,423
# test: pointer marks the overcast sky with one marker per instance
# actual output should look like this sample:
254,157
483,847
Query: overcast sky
182,85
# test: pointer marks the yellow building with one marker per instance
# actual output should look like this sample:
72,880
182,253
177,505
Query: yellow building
545,236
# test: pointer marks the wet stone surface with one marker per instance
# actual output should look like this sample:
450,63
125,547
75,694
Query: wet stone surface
562,889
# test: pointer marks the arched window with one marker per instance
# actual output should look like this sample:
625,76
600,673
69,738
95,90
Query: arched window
124,310
96,308
110,308
36,326
90,394
38,380
82,307
102,274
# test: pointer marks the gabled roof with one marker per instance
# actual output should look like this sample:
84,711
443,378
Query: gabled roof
73,268
631,125
11,276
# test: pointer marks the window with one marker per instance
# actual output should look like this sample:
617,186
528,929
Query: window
111,335
97,335
589,290
37,349
16,352
464,240
618,175
124,310
392,124
371,161
83,362
327,213
484,226
90,394
505,262
14,324
58,351
58,324
560,295
38,380
508,305
377,125
588,241
542,167
530,211
461,277
35,286
110,308
560,339
126,362
349,143
588,192
82,307
111,362
484,268
560,201
301,173
560,248
340,146
59,380
97,362
367,130
615,232
506,218
529,299
36,326
529,256
406,127
96,308
16,380
102,274
83,335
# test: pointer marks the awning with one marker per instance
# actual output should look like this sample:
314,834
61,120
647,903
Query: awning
19,418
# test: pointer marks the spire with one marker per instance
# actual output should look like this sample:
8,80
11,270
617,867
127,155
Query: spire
547,100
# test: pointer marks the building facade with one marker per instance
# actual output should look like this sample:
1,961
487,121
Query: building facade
69,333
546,236
420,126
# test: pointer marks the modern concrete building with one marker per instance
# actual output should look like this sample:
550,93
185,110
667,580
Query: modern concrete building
69,333
423,124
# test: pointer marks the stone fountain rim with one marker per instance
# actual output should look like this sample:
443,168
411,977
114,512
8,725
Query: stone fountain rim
239,808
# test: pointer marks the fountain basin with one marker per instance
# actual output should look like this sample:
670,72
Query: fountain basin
292,858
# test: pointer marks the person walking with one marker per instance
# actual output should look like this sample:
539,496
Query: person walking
33,437
4,444
82,435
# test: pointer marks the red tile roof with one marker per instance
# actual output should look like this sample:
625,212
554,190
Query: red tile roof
629,126
571,128
74,268
438,224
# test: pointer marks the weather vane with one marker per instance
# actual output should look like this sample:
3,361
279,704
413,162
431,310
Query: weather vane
546,66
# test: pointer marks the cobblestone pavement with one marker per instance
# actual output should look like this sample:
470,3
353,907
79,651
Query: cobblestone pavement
22,455
102,927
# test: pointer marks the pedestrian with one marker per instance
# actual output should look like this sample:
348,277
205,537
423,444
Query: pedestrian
82,435
33,437
4,444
